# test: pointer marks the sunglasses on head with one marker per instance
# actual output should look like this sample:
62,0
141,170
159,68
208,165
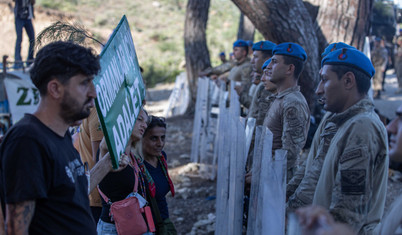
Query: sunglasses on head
157,119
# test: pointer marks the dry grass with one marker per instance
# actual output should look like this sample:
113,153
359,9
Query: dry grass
157,28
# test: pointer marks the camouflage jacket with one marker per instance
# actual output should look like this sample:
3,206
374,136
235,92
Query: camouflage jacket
379,57
223,68
241,72
288,118
260,104
346,169
246,96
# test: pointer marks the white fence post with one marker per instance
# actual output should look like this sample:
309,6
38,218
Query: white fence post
199,118
221,111
263,141
222,184
274,173
268,187
208,168
237,173
249,134
234,108
231,168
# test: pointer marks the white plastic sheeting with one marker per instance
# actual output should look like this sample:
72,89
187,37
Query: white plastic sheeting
179,99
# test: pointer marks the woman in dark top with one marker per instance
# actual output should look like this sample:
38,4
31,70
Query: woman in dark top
118,185
155,172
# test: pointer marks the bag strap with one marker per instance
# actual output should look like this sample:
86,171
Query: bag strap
136,175
107,200
136,172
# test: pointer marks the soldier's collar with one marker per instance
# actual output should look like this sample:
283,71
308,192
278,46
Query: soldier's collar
363,105
242,62
287,91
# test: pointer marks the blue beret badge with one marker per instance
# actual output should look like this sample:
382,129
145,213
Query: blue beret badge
335,46
290,49
263,46
352,58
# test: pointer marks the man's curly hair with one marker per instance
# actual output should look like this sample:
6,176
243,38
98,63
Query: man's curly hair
62,60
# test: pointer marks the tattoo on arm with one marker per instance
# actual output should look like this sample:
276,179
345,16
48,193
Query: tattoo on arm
19,216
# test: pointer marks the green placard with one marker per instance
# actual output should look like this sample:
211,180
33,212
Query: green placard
120,90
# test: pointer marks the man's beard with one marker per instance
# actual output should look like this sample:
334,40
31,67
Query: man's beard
71,111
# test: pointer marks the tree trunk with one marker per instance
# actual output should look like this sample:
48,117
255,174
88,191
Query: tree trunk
195,44
287,21
347,22
313,25
246,29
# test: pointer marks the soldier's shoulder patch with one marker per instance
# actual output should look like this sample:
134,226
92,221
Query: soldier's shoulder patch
353,182
291,113
351,154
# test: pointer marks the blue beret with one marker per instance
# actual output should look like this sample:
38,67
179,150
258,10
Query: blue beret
240,43
263,46
222,54
377,39
249,43
266,63
350,57
290,49
335,46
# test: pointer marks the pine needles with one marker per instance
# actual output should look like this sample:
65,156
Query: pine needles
64,31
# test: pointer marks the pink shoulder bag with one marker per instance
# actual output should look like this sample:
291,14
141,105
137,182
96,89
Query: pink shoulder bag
127,214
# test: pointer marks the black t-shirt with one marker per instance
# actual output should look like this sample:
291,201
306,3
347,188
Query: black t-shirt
116,186
37,164
162,188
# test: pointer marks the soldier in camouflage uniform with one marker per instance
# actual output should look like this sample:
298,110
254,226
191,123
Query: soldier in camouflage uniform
315,218
226,66
288,117
263,97
379,58
293,184
262,51
247,90
242,67
262,100
240,73
346,169
398,63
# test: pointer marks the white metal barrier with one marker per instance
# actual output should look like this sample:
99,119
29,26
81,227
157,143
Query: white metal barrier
221,137
266,213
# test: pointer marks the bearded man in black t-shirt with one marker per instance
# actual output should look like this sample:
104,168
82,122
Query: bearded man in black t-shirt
43,181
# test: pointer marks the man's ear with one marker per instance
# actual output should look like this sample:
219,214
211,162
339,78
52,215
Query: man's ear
55,89
349,80
291,68
245,53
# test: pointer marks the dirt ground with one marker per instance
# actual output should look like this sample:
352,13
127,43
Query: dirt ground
195,197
